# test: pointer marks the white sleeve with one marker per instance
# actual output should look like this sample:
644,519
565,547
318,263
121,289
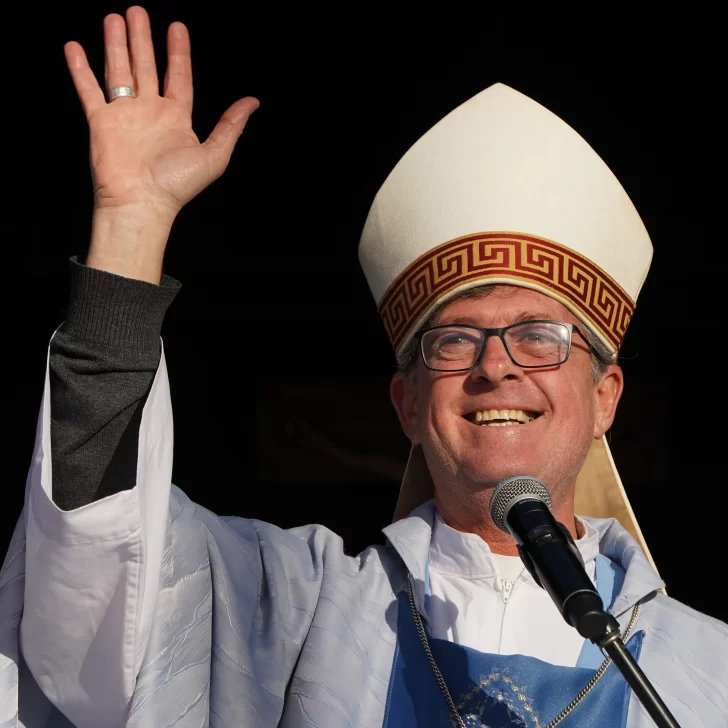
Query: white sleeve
92,574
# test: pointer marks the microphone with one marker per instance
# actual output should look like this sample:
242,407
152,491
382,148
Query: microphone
520,506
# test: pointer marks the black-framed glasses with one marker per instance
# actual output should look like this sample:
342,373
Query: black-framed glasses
530,344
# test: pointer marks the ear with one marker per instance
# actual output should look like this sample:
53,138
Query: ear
404,398
607,393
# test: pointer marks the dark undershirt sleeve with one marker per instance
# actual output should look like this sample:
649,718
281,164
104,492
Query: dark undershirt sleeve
103,360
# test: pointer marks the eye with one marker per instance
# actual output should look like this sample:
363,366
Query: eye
456,339
537,334
450,343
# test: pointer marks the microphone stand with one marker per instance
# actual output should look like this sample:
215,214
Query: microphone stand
611,643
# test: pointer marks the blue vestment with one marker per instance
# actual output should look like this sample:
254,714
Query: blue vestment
504,691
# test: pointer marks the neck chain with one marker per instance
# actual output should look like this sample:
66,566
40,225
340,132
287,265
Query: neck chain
455,718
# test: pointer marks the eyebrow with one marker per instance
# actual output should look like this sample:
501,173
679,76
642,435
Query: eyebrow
520,318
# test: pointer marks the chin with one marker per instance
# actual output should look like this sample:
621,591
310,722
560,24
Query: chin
492,473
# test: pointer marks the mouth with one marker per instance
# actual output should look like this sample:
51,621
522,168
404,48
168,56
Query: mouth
502,418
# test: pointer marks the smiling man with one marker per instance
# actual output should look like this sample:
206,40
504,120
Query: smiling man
506,260
485,404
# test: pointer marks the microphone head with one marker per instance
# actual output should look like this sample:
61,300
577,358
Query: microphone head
512,490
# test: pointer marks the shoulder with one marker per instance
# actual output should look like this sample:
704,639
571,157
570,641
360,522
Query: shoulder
311,547
326,549
683,622
684,652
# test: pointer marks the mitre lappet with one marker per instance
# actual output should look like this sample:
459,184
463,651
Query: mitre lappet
503,191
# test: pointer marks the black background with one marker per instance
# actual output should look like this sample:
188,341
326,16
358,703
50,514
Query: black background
303,436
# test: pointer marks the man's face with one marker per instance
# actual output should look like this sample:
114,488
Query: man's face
568,408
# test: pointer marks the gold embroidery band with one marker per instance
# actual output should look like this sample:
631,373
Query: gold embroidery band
534,262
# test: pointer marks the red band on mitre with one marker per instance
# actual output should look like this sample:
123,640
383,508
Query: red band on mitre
506,257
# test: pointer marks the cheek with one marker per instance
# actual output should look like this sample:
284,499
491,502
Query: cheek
578,399
435,408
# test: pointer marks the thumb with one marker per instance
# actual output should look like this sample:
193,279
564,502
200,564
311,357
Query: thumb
227,131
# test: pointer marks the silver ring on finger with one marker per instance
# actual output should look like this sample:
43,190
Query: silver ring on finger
119,91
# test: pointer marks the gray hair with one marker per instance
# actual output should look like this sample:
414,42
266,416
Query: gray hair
601,357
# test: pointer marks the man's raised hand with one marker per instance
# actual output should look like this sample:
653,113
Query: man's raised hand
146,160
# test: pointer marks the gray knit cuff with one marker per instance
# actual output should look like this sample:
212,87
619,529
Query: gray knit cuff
109,309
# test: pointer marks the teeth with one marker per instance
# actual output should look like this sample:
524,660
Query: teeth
501,418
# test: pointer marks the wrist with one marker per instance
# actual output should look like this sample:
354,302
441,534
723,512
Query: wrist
130,242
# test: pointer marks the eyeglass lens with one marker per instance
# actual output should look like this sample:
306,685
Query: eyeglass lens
532,343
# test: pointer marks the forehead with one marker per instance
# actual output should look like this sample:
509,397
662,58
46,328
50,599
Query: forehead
505,305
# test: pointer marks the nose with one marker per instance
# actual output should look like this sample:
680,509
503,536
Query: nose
495,365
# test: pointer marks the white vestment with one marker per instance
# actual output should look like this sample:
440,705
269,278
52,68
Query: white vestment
472,604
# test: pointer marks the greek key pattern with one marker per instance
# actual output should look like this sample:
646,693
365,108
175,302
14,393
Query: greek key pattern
536,261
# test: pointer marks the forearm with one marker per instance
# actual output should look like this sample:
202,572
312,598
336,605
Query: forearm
102,362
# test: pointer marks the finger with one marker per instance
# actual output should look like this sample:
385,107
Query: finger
143,65
87,87
116,53
227,131
178,78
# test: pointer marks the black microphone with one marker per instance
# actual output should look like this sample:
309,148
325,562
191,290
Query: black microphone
520,506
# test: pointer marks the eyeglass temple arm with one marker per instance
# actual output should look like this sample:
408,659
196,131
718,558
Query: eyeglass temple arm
574,327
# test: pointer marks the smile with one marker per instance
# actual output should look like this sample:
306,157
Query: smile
501,418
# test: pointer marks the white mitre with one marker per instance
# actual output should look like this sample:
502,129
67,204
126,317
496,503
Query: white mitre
503,191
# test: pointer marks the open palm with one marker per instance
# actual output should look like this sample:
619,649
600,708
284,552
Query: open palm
143,150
